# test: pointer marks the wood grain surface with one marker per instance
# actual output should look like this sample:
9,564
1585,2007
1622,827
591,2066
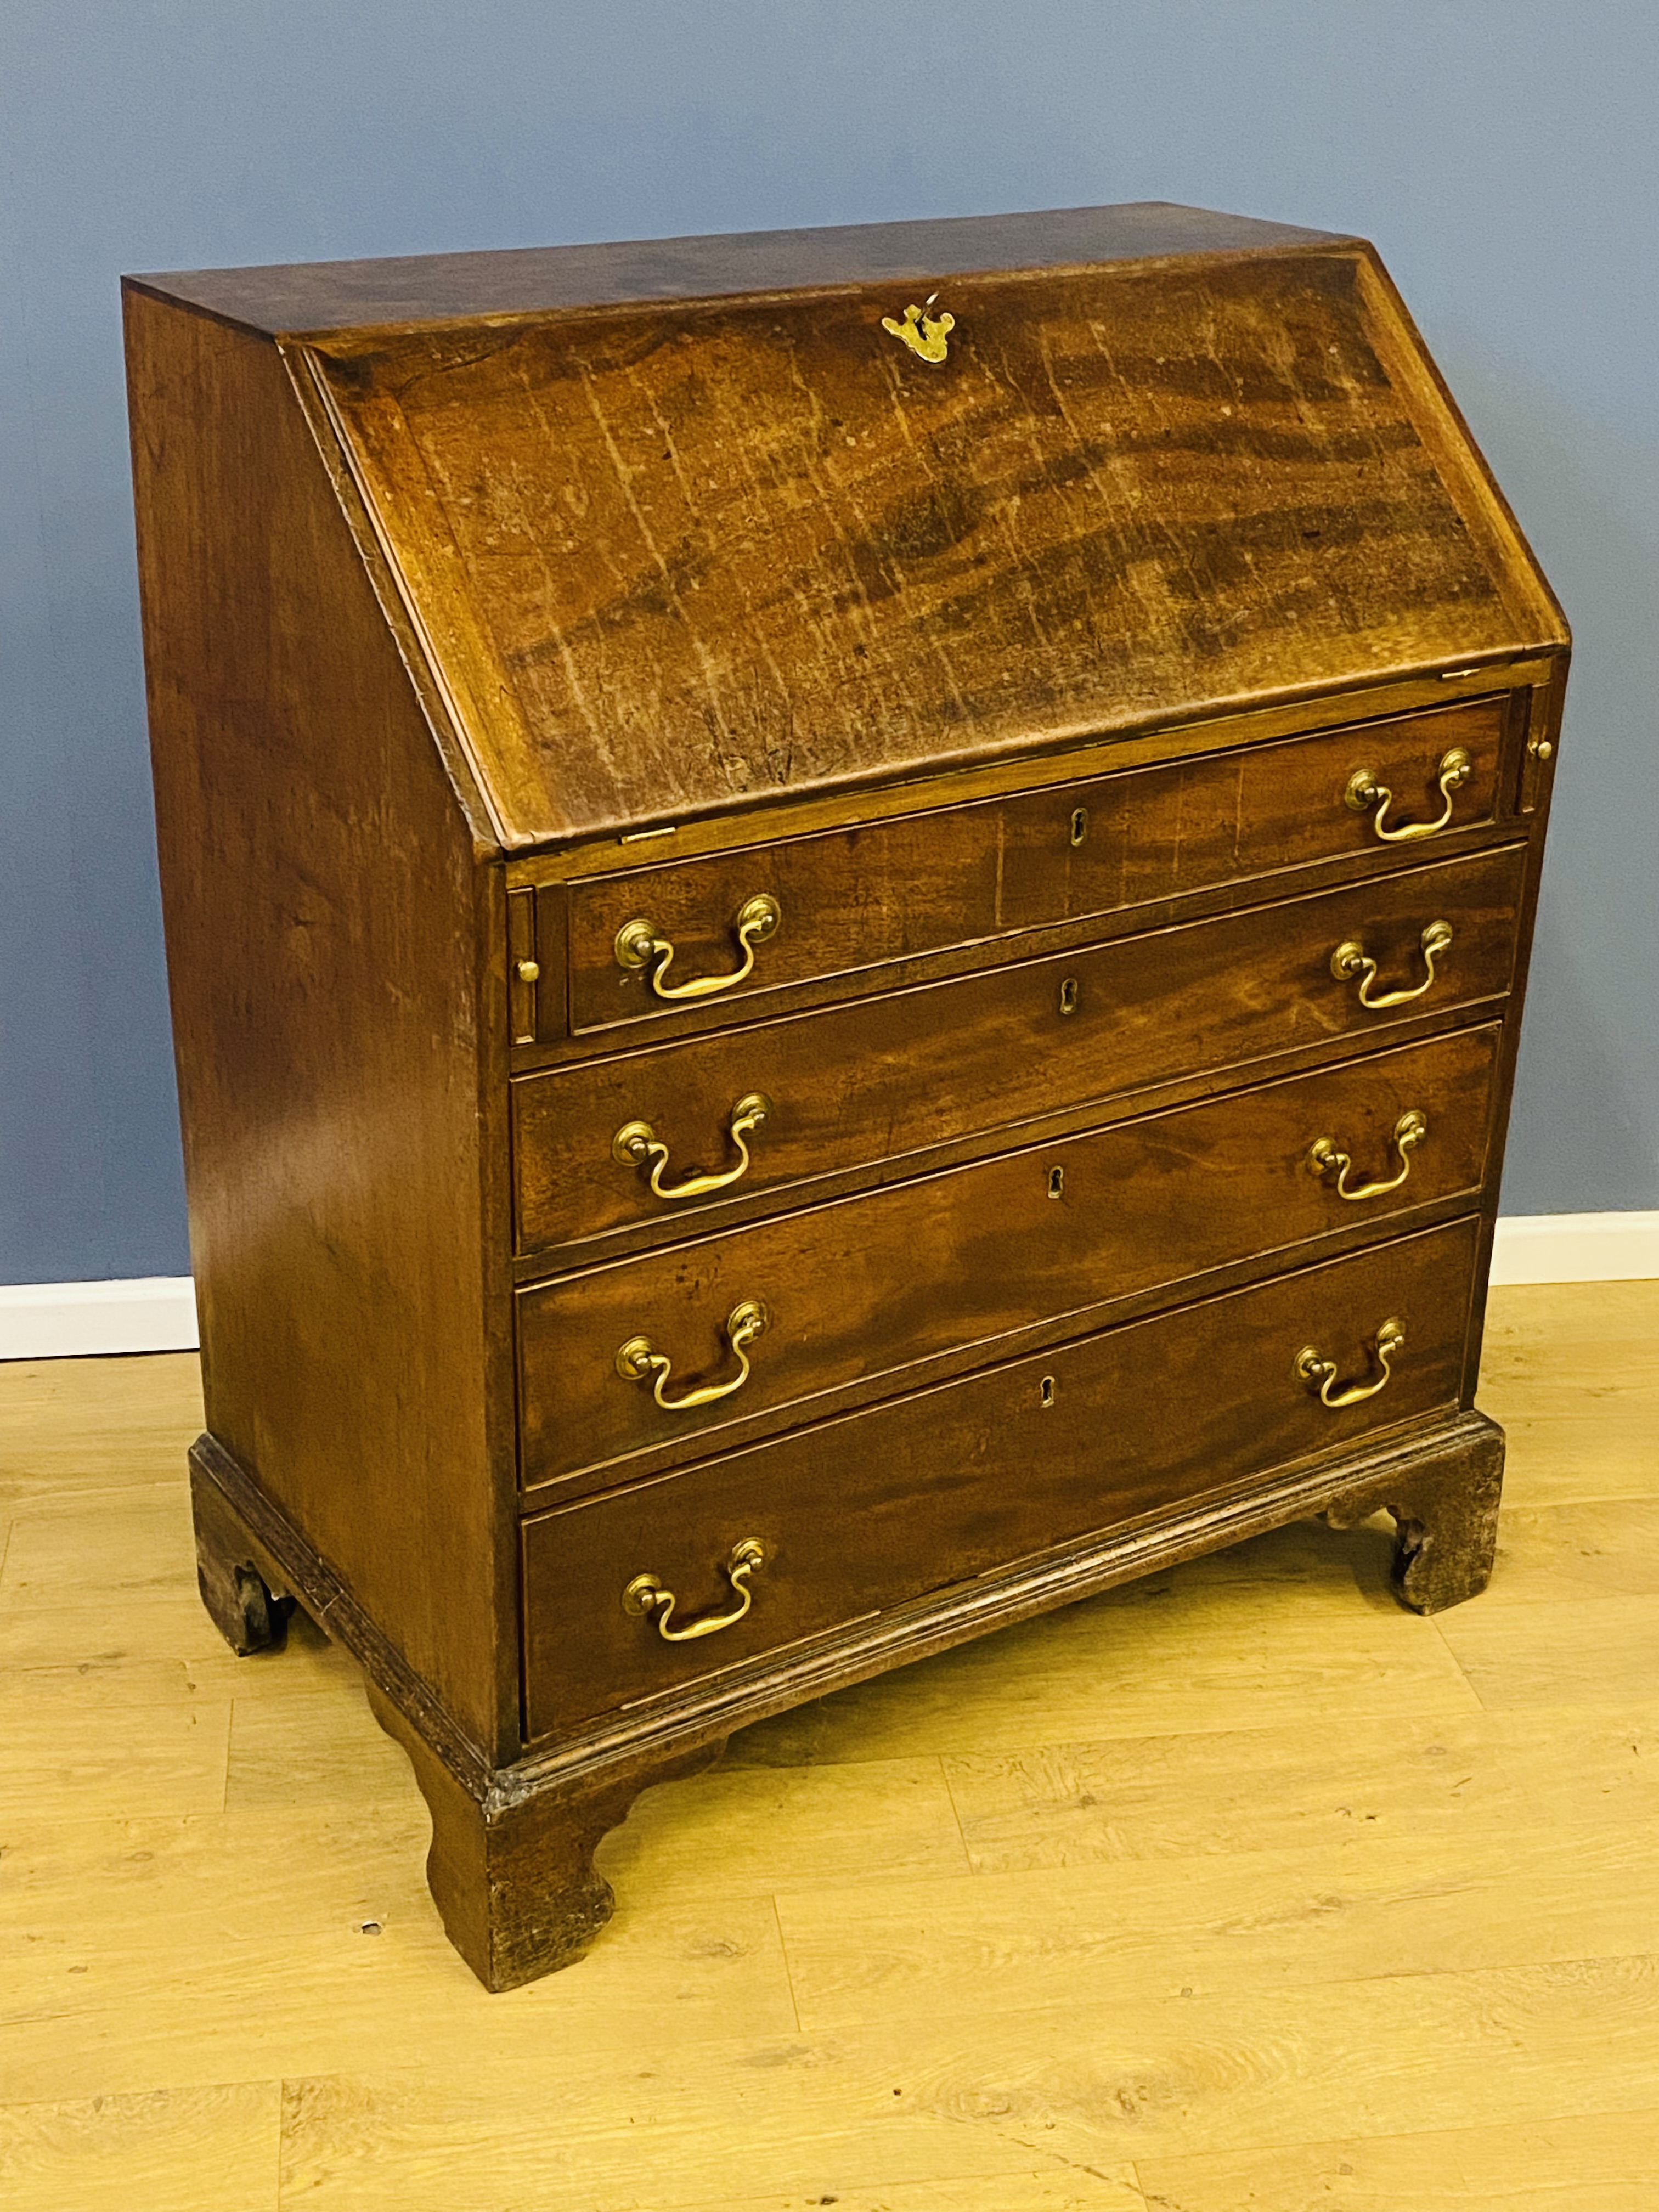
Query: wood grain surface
858,1515
1265,1756
891,890
296,297
886,1286
688,557
892,1076
326,919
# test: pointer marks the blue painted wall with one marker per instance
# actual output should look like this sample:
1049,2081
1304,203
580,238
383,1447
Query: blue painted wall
1501,153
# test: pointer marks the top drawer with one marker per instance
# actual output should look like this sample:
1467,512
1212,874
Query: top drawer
749,921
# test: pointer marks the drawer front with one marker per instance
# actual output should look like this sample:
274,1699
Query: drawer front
867,1512
889,1078
857,898
872,1284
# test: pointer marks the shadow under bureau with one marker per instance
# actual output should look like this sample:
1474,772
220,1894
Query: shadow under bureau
846,911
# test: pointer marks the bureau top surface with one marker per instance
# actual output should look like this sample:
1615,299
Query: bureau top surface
692,524
299,298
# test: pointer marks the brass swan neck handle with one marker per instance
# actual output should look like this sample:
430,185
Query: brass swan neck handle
640,943
1325,1157
639,1361
645,1594
1320,1373
637,1144
1364,791
1351,959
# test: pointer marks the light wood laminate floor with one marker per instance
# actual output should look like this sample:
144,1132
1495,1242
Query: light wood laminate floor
1240,1887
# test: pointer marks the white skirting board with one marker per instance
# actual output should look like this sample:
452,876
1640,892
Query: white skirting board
1576,1247
81,1321
157,1313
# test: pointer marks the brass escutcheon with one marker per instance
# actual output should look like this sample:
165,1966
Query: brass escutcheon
1364,791
926,335
639,943
646,1595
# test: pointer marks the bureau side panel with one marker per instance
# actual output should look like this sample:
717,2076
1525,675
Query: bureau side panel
325,906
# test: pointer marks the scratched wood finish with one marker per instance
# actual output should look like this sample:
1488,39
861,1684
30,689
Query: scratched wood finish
890,1077
890,890
879,1287
692,556
935,1489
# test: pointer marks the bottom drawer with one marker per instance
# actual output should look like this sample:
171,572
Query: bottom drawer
856,1515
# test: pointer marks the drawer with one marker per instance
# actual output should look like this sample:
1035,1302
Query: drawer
861,1514
854,899
872,1285
887,1079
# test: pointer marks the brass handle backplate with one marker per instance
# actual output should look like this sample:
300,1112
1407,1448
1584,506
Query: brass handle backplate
1364,791
646,1595
636,1144
1326,1159
639,1361
1320,1373
1351,959
640,943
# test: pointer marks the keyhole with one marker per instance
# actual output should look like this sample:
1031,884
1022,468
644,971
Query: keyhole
1068,995
1047,1388
1079,824
1056,1182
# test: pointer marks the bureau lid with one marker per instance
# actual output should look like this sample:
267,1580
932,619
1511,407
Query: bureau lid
673,554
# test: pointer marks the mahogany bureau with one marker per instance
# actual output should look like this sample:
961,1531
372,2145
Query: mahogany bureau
846,911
